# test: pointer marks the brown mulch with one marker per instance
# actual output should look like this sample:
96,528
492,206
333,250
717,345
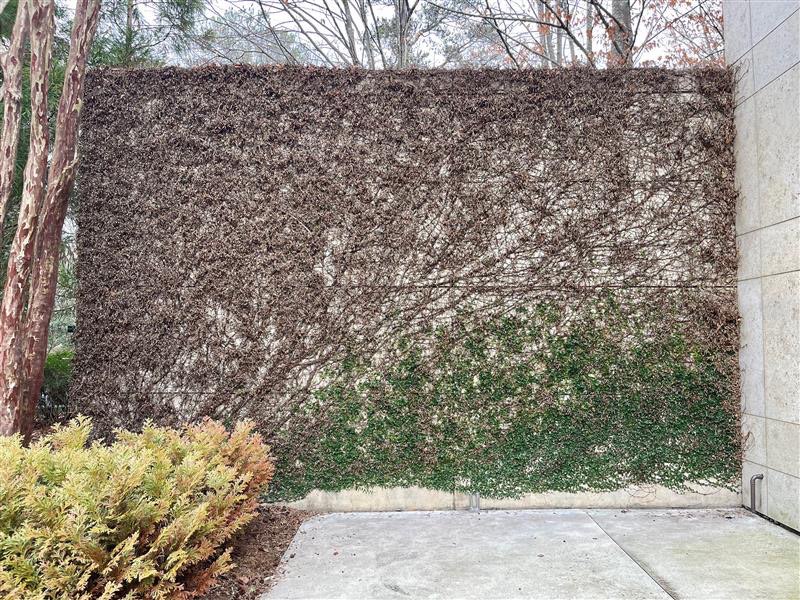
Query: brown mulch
257,552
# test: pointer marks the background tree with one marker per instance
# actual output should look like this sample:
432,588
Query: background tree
597,33
137,33
441,33
241,35
372,34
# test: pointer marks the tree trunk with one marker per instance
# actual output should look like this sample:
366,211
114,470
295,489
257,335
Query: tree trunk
350,33
366,38
544,44
560,47
622,40
11,63
33,260
60,183
590,32
12,318
403,18
128,34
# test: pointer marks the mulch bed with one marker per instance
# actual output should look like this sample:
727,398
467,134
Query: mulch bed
257,552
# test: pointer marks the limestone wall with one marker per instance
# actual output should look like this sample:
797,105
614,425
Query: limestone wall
763,41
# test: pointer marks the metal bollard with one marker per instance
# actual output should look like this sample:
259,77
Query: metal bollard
753,480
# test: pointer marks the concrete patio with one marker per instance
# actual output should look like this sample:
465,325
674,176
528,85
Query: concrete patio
703,554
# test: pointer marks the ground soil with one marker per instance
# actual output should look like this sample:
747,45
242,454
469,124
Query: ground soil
257,552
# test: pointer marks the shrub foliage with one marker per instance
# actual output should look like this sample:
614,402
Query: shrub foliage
146,517
54,401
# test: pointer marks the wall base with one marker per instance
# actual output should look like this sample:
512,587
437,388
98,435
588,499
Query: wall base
416,498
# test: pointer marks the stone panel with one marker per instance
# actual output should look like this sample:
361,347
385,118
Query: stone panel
777,53
781,310
784,499
751,347
780,247
762,41
745,147
748,247
754,436
783,447
778,123
737,29
745,80
767,15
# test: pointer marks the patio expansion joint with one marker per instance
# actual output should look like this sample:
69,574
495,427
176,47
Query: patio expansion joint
638,563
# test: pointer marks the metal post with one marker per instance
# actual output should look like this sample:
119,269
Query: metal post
475,502
753,480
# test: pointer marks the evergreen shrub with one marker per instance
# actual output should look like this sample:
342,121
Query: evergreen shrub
147,516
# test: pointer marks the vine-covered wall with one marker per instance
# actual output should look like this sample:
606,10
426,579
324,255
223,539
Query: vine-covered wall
499,281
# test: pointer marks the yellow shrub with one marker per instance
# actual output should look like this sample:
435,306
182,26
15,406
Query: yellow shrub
146,517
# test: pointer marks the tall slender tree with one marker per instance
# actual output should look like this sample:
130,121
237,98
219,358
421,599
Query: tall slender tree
135,33
29,290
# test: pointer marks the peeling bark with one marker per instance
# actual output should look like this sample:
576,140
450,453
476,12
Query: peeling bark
11,64
12,312
60,183
30,286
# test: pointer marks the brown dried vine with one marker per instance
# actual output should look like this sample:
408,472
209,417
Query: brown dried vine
242,229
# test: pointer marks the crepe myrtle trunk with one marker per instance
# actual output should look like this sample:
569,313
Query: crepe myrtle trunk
17,284
60,182
11,65
29,292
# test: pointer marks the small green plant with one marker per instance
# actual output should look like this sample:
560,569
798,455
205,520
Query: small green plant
145,517
53,403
